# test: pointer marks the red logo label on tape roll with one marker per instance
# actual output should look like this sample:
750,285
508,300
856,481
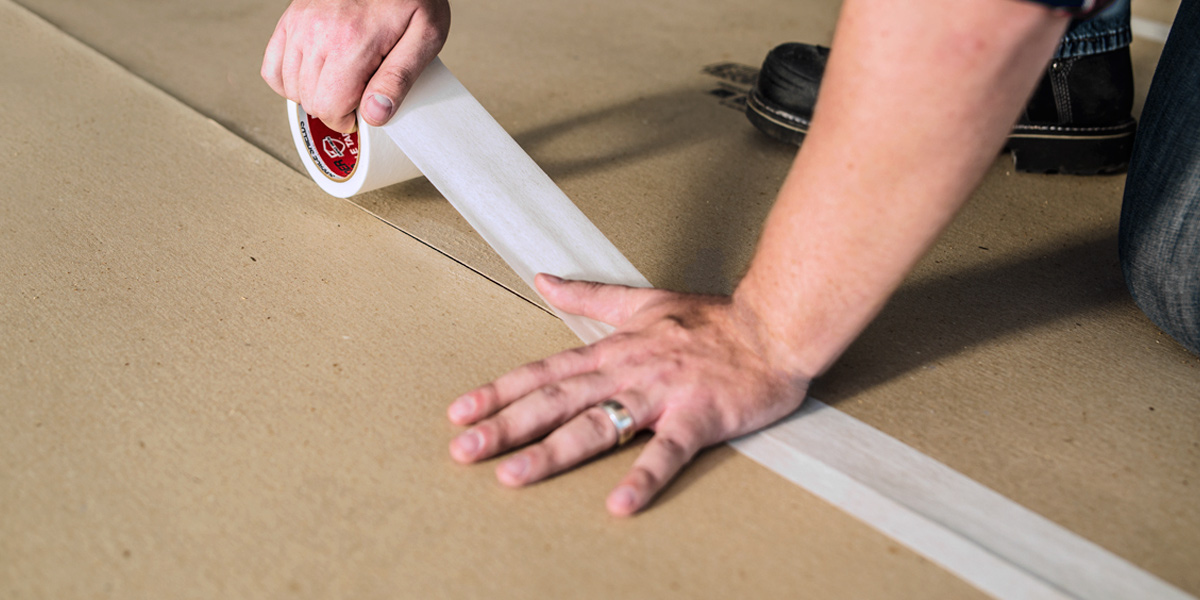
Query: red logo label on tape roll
335,153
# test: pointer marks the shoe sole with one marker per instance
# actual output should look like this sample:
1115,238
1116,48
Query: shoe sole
1072,150
774,121
1035,148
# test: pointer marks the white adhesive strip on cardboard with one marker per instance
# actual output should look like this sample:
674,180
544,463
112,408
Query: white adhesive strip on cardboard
505,196
988,540
977,534
501,192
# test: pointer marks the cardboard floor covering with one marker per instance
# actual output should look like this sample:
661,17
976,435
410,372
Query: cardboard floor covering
215,381
1013,354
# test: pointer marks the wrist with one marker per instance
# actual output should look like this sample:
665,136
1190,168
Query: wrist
775,335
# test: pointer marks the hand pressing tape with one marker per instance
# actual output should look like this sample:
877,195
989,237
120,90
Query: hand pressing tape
442,132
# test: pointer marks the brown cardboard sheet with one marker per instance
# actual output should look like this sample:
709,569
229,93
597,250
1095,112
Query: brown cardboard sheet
608,97
215,381
1012,354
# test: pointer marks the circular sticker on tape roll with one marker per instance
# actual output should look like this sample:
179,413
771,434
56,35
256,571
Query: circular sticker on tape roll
335,153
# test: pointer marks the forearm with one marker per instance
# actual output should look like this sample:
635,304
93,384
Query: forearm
916,100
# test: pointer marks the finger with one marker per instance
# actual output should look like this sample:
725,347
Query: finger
418,46
339,89
489,398
307,86
531,417
272,66
588,434
293,58
665,454
612,304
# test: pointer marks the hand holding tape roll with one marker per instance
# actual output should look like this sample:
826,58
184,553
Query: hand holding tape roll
441,131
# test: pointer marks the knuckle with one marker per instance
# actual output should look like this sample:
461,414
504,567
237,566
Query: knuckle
495,432
340,27
539,370
623,340
540,458
679,328
486,395
321,99
598,425
554,394
351,30
557,455
644,478
432,36
567,441
672,447
671,365
397,79
585,356
316,106
590,287
322,23
344,101
642,355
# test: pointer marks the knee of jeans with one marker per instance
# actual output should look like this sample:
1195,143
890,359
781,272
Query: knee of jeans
1164,280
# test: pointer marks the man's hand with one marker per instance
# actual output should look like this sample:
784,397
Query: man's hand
335,56
691,368
916,101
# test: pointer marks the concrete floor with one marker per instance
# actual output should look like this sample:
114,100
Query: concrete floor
1013,353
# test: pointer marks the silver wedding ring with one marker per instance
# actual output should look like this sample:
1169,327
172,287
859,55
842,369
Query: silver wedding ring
621,419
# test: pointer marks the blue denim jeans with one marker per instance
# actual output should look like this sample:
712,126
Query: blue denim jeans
1106,31
1160,218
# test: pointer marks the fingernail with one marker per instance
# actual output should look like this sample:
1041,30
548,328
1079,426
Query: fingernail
462,408
469,443
517,467
378,108
623,498
553,278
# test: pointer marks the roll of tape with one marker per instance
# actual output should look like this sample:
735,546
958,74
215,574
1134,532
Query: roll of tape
346,164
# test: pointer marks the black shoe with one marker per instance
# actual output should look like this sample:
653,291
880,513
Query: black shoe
1077,121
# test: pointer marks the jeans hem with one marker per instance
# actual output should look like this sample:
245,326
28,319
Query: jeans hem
1094,44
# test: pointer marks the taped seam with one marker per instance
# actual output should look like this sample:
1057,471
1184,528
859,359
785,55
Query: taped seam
463,264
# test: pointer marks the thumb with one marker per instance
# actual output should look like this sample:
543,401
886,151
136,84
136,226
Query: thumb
607,303
385,91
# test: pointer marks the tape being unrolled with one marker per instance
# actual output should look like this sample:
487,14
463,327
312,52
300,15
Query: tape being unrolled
441,131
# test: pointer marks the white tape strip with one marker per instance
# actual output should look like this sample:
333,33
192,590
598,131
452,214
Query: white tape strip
501,192
444,131
984,538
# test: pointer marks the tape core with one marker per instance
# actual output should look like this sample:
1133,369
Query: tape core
334,153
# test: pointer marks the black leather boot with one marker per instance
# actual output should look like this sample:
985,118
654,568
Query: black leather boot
1077,121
